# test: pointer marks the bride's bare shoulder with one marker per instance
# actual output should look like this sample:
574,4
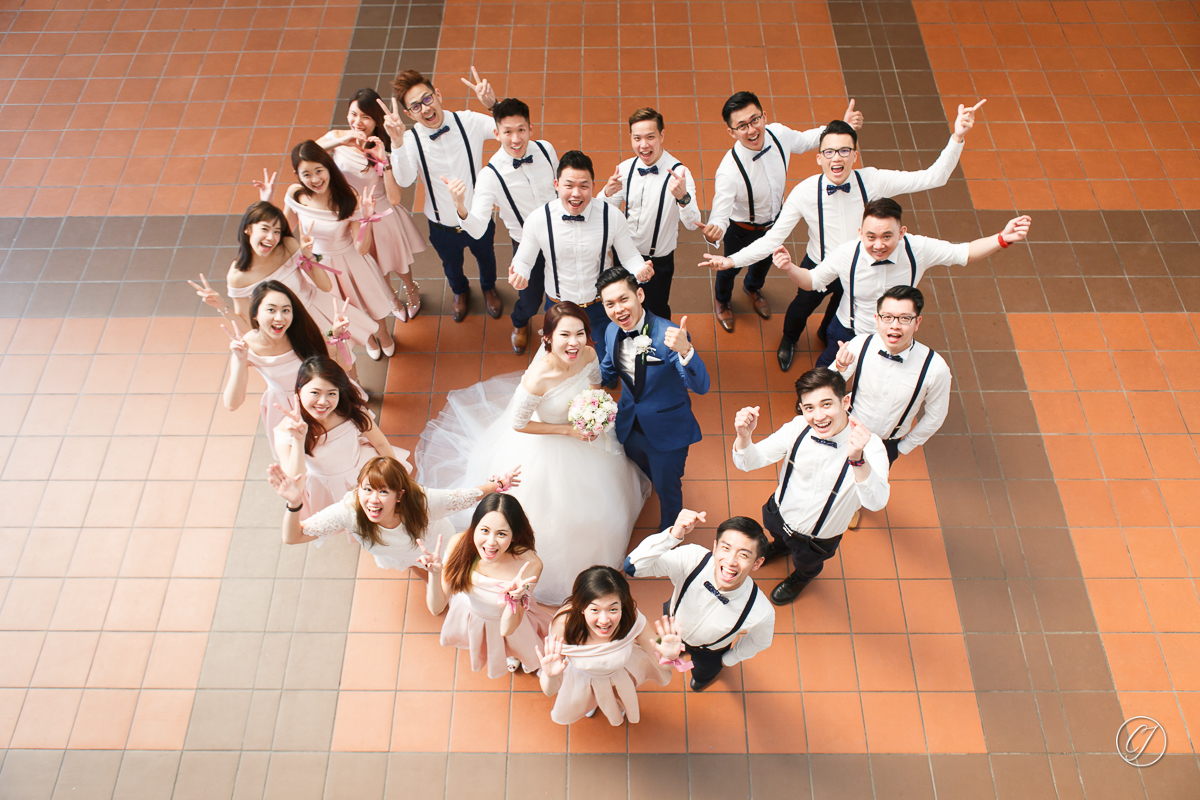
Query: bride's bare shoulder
533,381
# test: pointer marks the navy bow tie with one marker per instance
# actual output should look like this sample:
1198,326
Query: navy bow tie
724,600
517,162
882,263
623,335
572,217
648,171
830,188
826,442
433,137
890,357
762,153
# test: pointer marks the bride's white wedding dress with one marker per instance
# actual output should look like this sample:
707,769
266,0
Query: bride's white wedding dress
582,498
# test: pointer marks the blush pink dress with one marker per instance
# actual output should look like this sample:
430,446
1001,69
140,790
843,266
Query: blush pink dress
280,374
318,304
361,281
473,623
396,238
605,675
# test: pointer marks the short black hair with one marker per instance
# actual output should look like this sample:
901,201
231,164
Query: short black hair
902,292
737,102
747,527
883,208
616,275
510,107
647,114
838,127
575,159
819,378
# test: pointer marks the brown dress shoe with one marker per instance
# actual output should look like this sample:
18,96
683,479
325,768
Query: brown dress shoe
724,316
520,338
761,307
458,306
494,306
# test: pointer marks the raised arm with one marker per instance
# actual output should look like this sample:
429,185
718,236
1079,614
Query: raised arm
1015,231
239,365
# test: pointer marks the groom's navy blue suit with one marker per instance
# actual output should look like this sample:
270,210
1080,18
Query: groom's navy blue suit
654,417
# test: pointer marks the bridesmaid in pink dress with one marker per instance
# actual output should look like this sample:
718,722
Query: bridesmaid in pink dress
600,650
282,335
325,207
362,155
489,571
330,434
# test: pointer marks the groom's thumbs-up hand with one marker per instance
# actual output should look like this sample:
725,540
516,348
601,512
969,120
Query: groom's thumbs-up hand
677,338
685,522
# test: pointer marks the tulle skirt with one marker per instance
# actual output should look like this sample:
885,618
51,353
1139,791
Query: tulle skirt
582,498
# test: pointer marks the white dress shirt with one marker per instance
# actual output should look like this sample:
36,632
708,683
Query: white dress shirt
887,386
448,157
627,353
871,281
530,185
649,207
577,250
817,467
767,174
704,621
841,212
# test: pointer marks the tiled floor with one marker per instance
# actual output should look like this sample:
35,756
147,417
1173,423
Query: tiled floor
1032,583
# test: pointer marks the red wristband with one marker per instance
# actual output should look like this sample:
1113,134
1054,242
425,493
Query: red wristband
1000,238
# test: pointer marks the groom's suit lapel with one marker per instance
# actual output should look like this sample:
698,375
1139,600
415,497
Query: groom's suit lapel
639,374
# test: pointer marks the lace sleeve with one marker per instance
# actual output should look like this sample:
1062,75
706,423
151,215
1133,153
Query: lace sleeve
593,372
332,519
444,502
523,410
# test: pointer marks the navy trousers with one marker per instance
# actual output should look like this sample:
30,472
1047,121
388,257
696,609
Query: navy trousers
736,239
664,468
450,243
837,333
805,303
529,299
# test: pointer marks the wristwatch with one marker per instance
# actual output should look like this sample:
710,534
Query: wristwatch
683,201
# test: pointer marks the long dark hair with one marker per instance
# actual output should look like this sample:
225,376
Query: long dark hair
262,211
303,333
557,313
350,403
411,504
368,103
461,560
590,585
343,197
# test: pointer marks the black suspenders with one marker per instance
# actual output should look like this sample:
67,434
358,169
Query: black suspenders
912,265
662,199
554,255
504,186
862,356
746,176
821,205
787,476
437,215
737,626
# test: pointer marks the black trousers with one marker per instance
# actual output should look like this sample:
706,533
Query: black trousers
809,555
658,288
893,450
450,243
737,239
529,299
805,303
706,664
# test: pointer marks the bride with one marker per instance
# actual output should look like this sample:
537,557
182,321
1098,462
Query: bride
580,492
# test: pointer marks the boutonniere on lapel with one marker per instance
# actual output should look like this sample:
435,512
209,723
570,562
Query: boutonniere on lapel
642,343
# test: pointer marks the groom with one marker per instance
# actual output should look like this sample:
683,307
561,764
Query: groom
658,365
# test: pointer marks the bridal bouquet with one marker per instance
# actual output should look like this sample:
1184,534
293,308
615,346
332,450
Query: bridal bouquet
593,410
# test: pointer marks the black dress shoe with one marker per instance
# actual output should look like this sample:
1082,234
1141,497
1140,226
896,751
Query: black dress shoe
788,589
697,686
787,351
777,549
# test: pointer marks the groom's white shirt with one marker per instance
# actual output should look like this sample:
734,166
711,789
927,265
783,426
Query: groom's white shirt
627,353
702,617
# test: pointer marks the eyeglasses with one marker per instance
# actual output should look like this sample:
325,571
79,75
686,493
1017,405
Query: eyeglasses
844,152
903,319
748,124
427,100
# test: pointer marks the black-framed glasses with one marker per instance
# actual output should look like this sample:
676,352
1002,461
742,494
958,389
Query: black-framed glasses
748,124
427,100
903,319
844,152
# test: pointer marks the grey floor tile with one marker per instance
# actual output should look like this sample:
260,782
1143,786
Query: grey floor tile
324,605
357,776
218,720
296,776
305,720
206,776
315,661
243,604
262,721
30,774
251,776
147,775
416,776
88,775
231,660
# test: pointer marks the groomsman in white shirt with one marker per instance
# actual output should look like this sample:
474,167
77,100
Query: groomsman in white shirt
443,146
835,467
895,377
576,238
643,184
750,183
831,204
518,179
720,615
876,261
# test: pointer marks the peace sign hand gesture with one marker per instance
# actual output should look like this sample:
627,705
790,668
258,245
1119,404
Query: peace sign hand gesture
670,640
266,187
432,562
482,89
518,586
293,422
966,119
209,295
552,659
306,238
237,345
366,204
289,488
341,323
392,124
